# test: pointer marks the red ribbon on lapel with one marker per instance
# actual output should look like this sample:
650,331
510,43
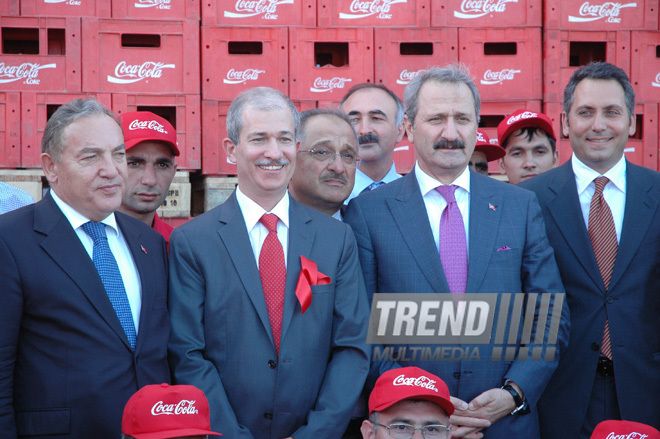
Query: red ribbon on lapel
309,275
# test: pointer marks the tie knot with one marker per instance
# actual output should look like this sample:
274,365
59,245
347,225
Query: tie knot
600,183
447,192
95,230
270,221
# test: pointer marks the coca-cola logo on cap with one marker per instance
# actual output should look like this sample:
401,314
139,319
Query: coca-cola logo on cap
361,9
607,10
631,435
128,74
322,85
422,381
479,8
27,71
250,8
480,137
493,77
156,4
147,125
183,407
523,115
241,76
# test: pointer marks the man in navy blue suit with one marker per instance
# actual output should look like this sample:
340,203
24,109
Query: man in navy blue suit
445,229
83,309
611,369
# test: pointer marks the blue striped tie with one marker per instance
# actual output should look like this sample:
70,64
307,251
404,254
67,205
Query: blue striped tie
106,265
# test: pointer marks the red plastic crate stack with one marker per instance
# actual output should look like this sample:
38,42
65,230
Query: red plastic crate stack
625,34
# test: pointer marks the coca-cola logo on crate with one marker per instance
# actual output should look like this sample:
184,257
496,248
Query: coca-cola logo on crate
242,76
250,8
130,73
27,71
608,10
479,8
366,8
405,76
156,4
66,2
493,77
322,85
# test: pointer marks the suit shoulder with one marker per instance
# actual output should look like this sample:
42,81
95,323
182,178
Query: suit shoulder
644,173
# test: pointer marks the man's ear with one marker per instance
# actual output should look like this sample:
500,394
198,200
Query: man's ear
49,166
409,128
230,149
367,429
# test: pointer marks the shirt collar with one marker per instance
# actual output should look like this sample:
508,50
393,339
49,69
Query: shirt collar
363,180
428,183
252,212
584,175
76,219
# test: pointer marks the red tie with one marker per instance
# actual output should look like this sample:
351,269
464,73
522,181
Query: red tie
272,272
603,240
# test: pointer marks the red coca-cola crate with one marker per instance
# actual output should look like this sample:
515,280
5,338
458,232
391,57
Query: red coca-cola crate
325,63
66,8
156,9
507,64
237,58
601,15
642,147
486,13
10,130
214,131
10,7
154,57
349,13
36,109
40,54
645,65
565,51
402,53
404,156
182,111
259,13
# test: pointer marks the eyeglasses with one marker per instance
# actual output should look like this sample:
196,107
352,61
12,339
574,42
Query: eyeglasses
328,155
406,431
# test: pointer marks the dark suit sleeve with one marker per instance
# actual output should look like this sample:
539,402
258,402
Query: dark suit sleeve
539,274
11,310
187,340
348,367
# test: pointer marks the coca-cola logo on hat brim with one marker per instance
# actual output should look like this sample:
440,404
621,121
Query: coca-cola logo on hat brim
183,407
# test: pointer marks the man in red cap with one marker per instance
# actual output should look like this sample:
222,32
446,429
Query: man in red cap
150,150
624,430
406,400
484,152
530,145
161,411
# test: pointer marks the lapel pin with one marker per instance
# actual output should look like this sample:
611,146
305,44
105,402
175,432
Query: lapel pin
144,250
491,207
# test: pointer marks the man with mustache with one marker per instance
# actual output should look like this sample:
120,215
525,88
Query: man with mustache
269,313
325,162
446,229
150,150
377,115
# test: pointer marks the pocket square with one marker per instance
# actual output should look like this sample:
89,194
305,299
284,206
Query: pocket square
506,247
309,275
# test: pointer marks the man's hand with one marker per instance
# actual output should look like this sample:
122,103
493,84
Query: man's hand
466,423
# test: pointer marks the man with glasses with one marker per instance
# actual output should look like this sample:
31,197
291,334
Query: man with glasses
405,401
326,161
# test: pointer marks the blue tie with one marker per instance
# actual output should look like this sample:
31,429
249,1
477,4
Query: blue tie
372,186
106,265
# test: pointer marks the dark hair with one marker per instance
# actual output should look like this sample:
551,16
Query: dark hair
53,141
600,70
398,118
306,115
529,133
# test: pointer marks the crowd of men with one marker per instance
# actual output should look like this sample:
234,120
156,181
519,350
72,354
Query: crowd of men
258,310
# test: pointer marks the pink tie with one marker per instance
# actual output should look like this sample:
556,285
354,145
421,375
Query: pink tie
272,272
603,241
453,245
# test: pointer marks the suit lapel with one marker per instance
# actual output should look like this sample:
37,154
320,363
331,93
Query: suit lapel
64,247
484,219
641,203
234,236
409,213
564,207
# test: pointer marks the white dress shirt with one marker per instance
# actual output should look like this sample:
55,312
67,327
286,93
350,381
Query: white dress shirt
435,203
118,247
614,192
362,180
252,213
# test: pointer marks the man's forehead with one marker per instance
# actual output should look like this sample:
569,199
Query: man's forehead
379,100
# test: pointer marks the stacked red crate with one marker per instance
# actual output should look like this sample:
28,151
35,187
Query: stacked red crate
10,7
66,8
156,9
10,130
259,13
601,15
373,13
486,13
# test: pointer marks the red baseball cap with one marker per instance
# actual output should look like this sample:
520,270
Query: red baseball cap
492,151
522,119
624,429
409,383
161,411
140,126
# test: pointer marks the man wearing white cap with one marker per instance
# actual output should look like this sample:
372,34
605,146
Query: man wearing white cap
150,150
530,144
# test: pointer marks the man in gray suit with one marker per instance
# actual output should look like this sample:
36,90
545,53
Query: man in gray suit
268,305
445,229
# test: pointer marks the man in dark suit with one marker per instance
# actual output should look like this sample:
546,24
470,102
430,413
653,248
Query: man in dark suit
407,245
83,319
602,216
268,307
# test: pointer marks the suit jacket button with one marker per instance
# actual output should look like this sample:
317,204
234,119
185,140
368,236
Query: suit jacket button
595,347
609,299
457,375
268,415
272,364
